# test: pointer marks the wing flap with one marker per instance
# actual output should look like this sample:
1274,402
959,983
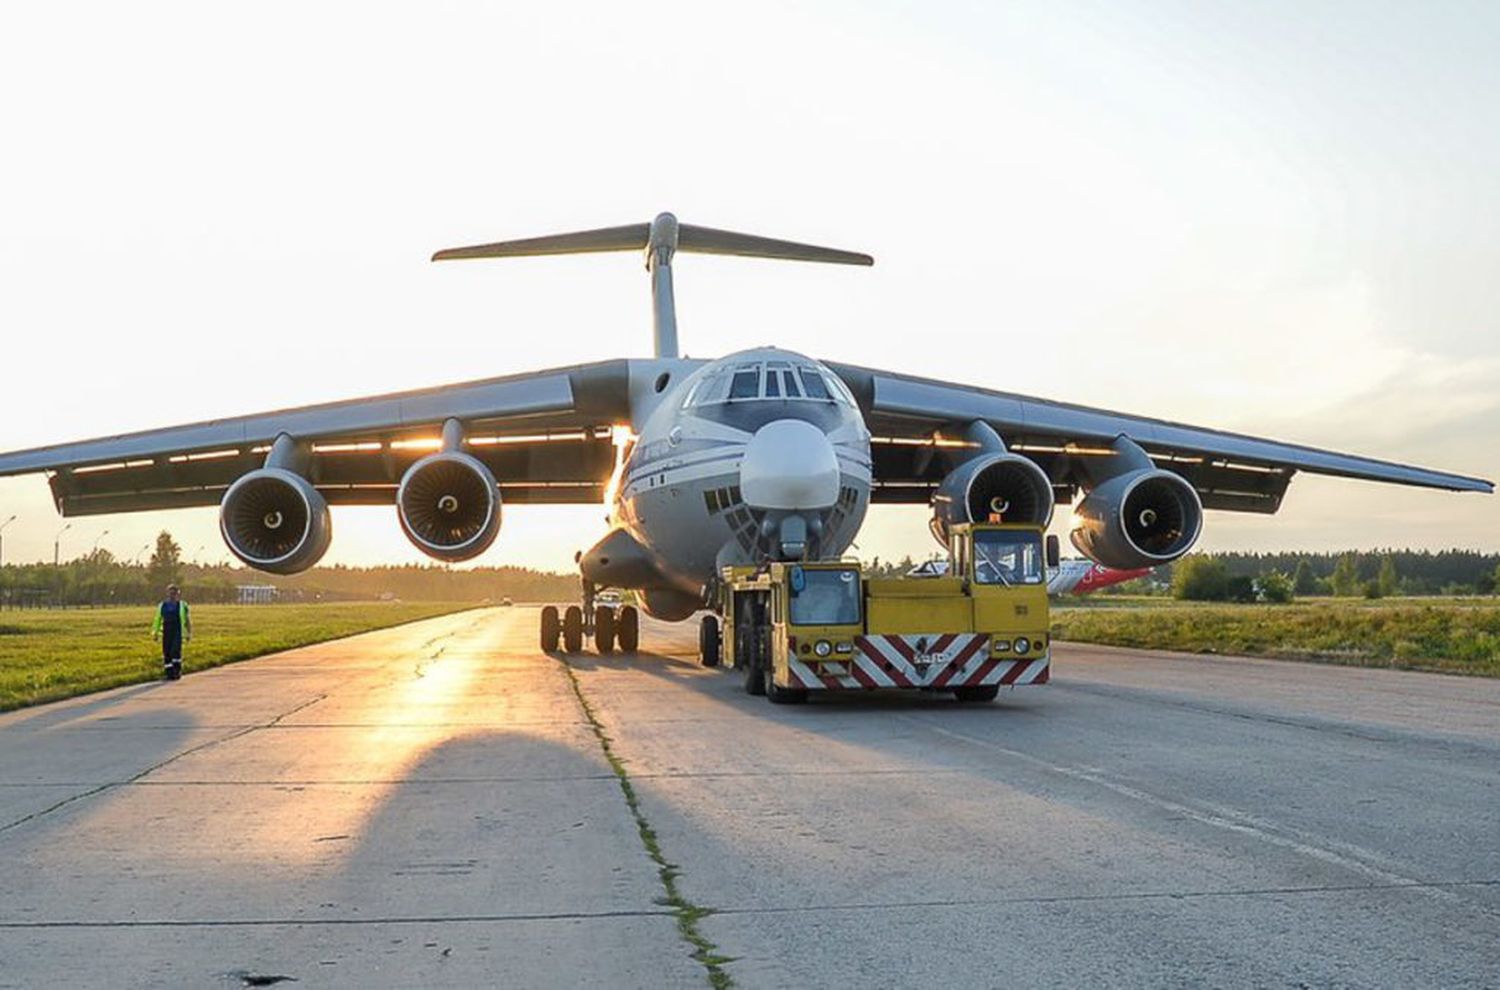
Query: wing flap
1231,470
546,436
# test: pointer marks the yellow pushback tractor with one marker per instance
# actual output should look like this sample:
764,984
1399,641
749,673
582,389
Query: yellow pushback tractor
978,626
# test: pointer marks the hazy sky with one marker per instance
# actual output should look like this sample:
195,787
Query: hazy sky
1277,217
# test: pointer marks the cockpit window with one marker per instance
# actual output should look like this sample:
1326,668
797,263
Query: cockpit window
746,384
768,380
812,384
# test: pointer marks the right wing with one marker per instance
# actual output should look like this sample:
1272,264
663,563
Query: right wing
545,435
1231,471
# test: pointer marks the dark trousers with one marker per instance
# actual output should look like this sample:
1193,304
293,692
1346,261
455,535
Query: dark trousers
171,644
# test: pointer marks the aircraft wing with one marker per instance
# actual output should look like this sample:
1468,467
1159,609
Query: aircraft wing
907,416
545,435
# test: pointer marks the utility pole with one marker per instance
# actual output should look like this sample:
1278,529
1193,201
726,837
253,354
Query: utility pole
57,543
2,538
96,542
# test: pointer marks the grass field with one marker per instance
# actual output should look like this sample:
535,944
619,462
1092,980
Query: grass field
47,655
1457,636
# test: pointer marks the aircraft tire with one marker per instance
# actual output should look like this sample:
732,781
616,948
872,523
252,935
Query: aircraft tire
572,629
604,629
628,629
550,629
984,692
708,641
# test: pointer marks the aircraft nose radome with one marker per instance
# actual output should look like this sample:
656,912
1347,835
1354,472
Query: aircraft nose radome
789,464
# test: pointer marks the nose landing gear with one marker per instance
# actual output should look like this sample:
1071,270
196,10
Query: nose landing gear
609,626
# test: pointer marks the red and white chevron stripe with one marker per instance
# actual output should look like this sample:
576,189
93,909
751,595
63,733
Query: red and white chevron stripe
936,660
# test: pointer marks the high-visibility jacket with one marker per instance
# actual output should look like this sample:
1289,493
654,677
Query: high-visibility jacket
187,624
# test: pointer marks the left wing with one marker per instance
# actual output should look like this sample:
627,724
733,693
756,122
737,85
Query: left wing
545,435
908,416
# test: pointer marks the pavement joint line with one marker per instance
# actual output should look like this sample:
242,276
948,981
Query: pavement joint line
1143,895
334,922
787,909
100,789
342,782
686,912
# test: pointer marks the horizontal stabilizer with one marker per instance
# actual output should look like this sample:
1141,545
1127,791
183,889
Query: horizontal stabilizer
660,239
631,237
637,236
707,240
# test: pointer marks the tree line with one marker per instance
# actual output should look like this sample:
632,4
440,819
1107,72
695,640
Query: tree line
100,579
1273,578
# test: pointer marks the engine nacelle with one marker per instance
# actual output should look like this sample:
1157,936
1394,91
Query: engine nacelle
1138,519
449,506
275,520
1007,484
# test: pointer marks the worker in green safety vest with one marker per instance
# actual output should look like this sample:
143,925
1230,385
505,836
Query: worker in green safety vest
172,626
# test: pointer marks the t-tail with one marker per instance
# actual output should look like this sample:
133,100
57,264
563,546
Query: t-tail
661,239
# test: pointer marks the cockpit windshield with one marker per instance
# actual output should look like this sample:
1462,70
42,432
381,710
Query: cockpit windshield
1007,557
782,381
825,598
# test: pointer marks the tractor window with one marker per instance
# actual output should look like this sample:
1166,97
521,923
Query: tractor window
827,598
1007,557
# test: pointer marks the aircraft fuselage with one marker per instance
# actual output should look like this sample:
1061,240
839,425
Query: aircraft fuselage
759,455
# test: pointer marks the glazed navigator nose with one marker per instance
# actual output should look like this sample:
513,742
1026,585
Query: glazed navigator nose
789,464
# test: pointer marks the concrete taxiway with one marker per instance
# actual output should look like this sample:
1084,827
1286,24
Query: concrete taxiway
436,805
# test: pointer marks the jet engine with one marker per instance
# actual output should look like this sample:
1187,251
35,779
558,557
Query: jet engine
1003,484
275,520
449,506
1138,519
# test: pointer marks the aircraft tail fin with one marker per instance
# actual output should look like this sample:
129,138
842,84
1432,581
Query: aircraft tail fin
661,239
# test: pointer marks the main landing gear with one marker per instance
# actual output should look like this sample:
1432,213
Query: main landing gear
609,626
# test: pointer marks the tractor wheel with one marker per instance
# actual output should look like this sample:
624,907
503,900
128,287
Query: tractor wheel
780,695
984,692
708,641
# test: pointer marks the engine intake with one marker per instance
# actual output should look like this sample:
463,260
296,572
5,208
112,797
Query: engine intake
1139,519
1009,485
449,506
275,520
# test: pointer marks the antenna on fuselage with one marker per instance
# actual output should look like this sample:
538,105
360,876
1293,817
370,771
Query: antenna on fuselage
661,239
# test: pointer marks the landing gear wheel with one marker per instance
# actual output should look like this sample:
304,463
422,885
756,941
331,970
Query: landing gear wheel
572,629
550,629
628,629
780,695
708,641
987,692
604,629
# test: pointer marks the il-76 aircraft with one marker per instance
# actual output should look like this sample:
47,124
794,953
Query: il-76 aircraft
761,455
